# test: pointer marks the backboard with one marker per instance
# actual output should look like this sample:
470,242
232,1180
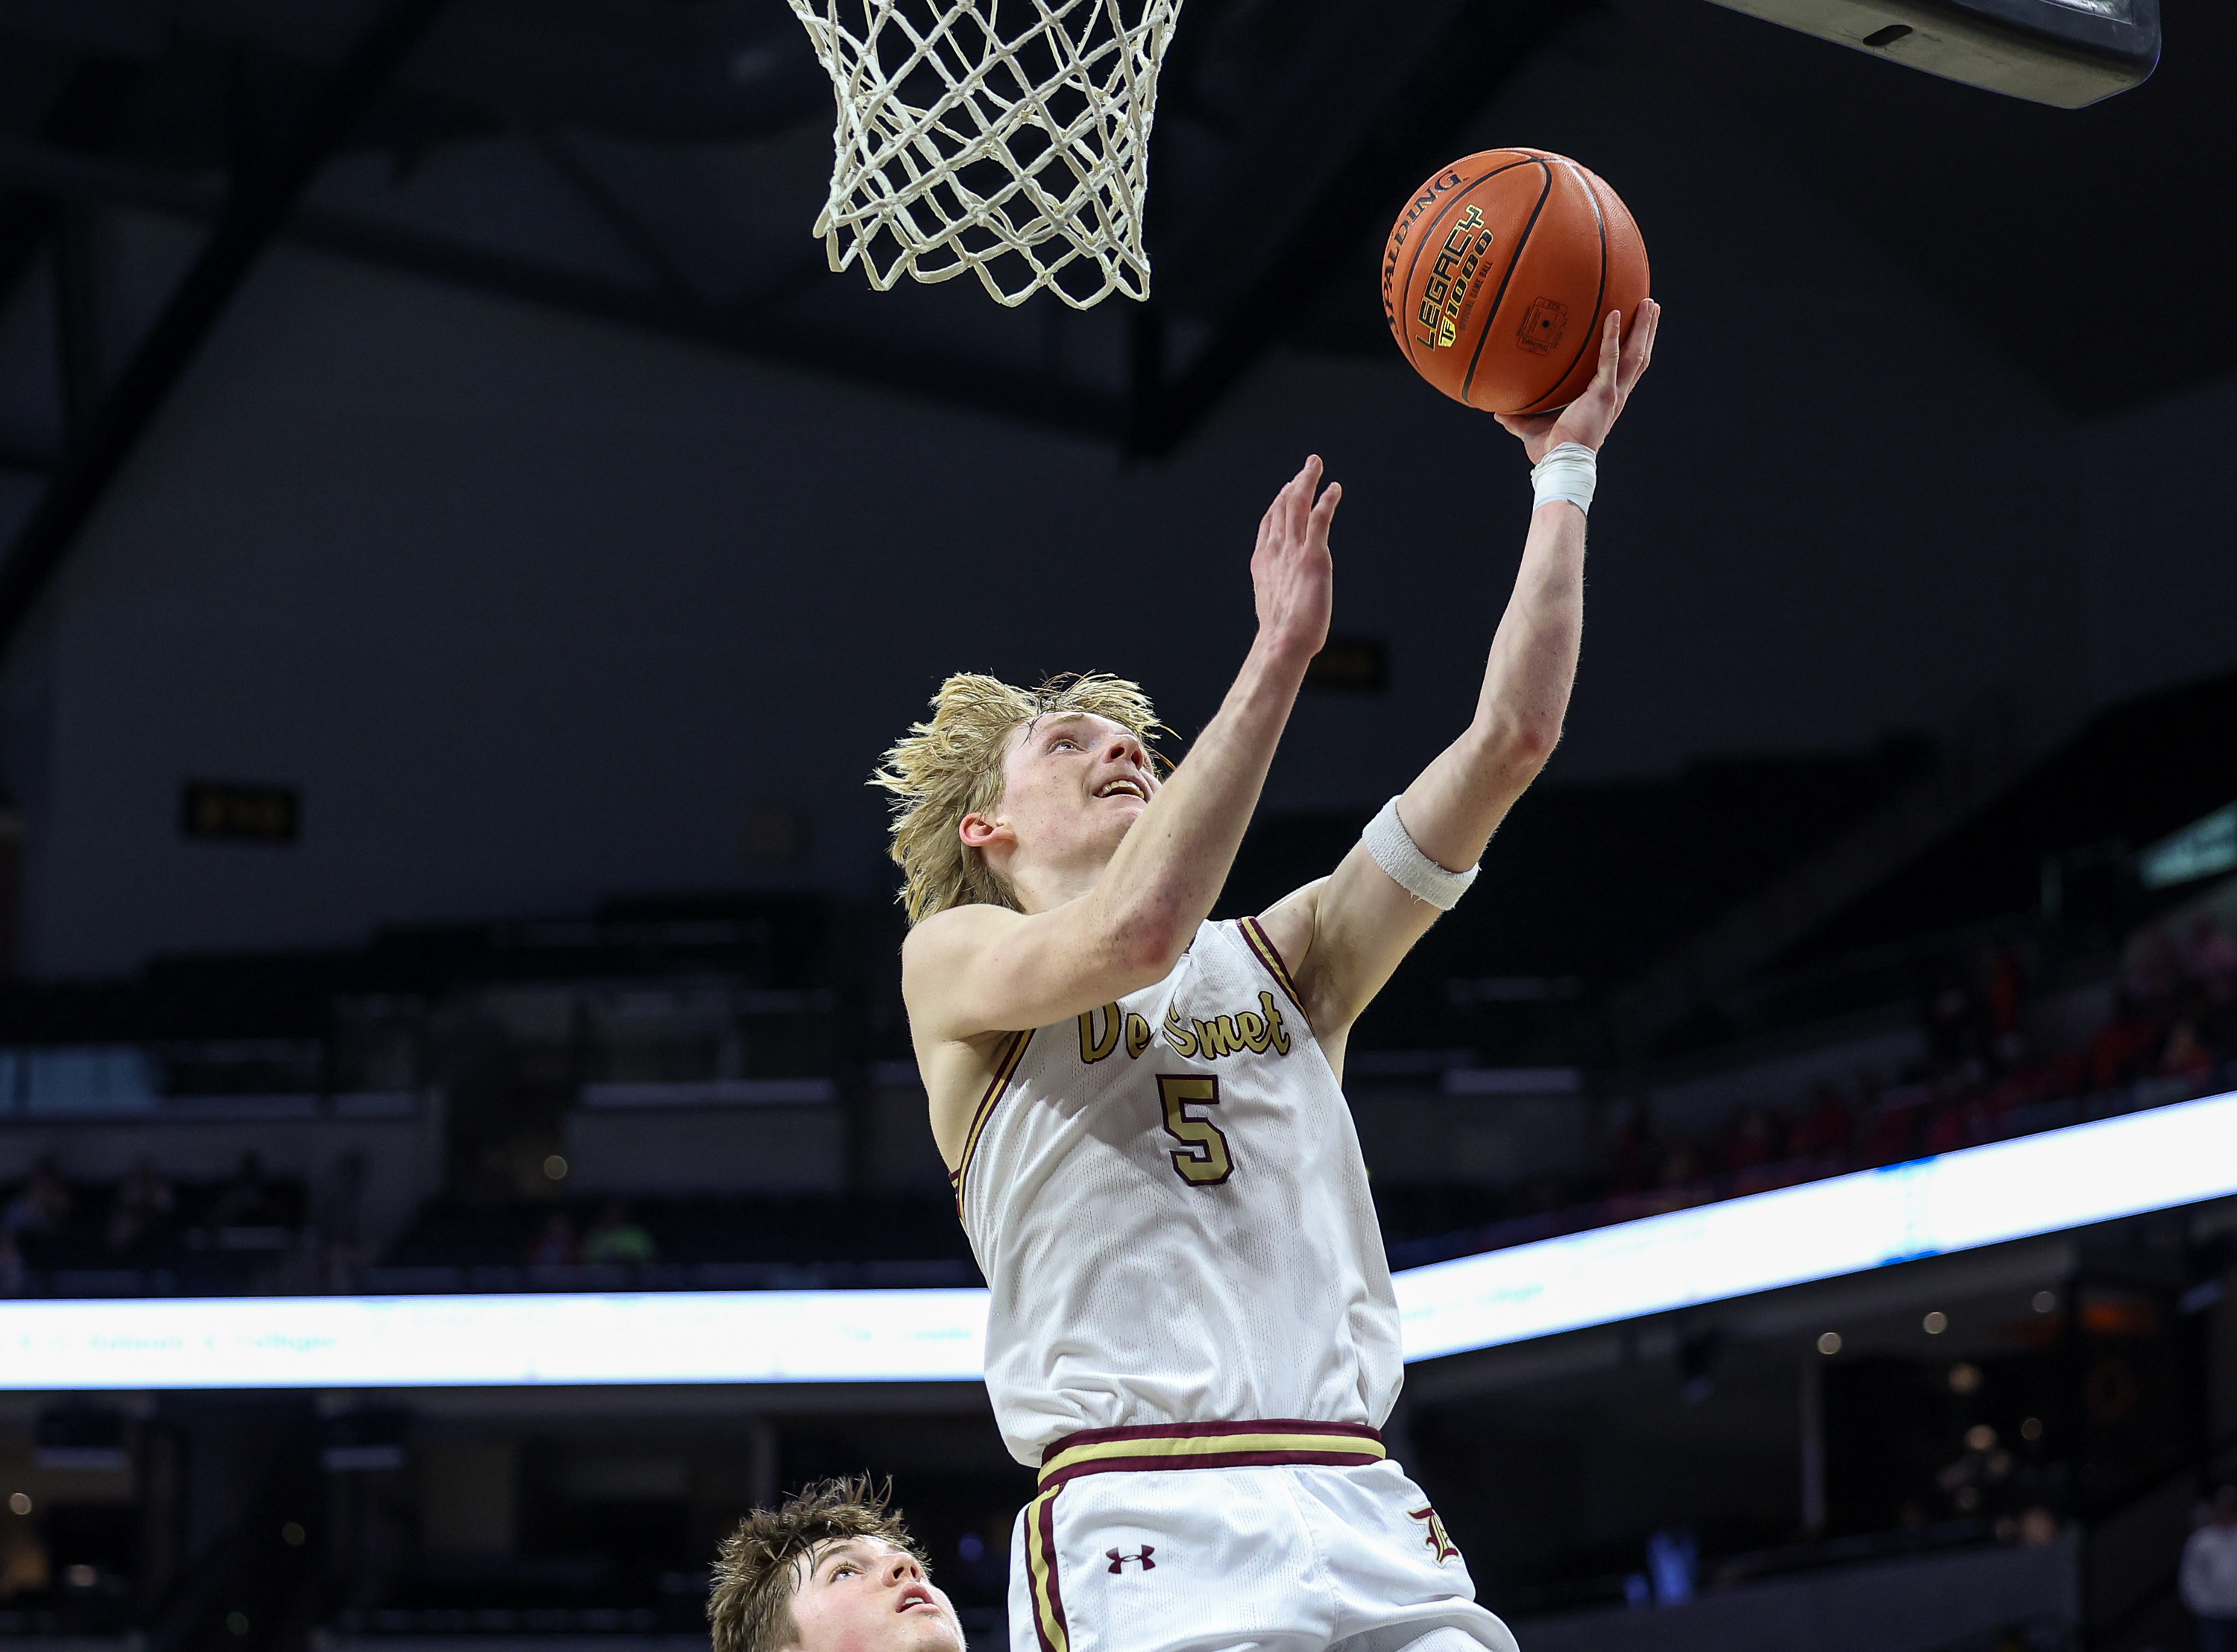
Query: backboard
2067,53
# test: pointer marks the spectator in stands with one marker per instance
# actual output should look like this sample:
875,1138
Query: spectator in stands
1635,1157
41,1206
1679,1183
2120,1044
2186,1055
1827,1128
615,1237
2210,959
248,1200
833,1570
143,1199
554,1244
1890,1139
2003,1002
2208,1578
1753,1143
2151,966
1951,1025
1945,1130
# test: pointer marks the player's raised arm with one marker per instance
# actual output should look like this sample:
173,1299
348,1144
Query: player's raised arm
1111,873
1344,935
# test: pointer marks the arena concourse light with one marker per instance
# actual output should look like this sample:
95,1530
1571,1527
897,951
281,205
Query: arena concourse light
1985,1196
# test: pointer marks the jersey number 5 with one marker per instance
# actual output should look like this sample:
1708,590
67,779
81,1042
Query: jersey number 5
1202,1160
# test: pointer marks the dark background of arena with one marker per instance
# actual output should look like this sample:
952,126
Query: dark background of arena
465,552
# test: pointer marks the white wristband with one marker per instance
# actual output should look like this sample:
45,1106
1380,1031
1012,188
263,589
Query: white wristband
1396,853
1568,473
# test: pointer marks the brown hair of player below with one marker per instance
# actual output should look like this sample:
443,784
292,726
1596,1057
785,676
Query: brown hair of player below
760,1565
1498,272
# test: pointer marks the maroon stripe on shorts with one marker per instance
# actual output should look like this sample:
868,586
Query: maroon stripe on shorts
1061,1642
1333,1455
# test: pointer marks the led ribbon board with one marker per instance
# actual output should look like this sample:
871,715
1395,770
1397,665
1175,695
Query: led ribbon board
1984,1195
513,1340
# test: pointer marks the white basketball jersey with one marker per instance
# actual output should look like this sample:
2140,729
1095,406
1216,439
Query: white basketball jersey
1167,1198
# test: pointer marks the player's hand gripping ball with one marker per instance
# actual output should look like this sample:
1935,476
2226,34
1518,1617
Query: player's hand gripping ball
1499,273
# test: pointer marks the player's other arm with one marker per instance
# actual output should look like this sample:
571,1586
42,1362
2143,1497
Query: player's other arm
1344,935
976,970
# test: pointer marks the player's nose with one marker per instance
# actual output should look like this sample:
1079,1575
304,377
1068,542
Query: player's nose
902,1569
1125,748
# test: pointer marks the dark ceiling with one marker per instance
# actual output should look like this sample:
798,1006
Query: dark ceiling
2090,245
659,163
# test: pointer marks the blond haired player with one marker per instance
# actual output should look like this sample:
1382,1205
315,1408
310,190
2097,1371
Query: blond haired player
1192,1335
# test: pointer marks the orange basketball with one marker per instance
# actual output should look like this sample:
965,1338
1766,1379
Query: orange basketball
1499,273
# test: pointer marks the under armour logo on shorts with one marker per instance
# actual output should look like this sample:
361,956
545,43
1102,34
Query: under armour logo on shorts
1119,1561
1433,1534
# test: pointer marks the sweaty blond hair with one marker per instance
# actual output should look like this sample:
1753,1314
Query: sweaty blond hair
951,767
760,1565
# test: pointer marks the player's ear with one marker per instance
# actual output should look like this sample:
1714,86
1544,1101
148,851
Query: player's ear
978,831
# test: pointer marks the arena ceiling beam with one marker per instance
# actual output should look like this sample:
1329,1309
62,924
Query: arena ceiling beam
34,223
265,190
76,317
25,460
748,326
1411,130
26,220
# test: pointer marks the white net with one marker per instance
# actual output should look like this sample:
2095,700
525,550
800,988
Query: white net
1008,140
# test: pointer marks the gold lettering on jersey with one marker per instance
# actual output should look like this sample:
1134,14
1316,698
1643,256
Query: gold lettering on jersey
1218,1038
1176,1033
1275,1035
1138,1036
1257,1032
1202,1159
1094,1045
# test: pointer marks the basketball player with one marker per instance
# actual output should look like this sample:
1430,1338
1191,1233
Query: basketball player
1192,1335
833,1570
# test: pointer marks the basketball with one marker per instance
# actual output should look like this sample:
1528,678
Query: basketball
1498,276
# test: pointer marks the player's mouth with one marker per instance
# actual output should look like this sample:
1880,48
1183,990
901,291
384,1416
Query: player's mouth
1123,787
914,1596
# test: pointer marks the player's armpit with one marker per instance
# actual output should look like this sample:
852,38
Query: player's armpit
1343,936
975,969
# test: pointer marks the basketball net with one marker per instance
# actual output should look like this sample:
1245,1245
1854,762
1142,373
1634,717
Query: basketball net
1014,147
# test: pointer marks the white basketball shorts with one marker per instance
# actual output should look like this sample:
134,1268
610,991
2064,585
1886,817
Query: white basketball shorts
1290,1536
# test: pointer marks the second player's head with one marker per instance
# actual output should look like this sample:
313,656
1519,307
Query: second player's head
1008,793
833,1570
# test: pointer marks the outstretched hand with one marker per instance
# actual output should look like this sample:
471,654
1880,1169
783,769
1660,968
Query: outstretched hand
1589,418
1291,571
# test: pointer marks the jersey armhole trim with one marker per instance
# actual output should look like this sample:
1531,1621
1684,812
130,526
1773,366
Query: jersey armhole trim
1005,1067
1254,936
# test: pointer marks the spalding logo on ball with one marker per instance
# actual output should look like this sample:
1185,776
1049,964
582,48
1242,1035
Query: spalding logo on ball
1498,272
